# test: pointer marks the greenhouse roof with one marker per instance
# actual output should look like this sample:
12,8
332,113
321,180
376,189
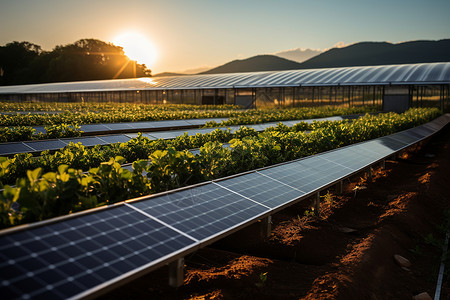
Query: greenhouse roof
424,73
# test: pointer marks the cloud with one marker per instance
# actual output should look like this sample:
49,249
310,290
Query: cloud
340,44
298,54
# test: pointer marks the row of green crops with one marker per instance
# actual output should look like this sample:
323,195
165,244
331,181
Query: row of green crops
271,115
26,133
134,112
84,107
41,196
88,113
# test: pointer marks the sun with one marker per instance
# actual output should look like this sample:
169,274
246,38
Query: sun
137,47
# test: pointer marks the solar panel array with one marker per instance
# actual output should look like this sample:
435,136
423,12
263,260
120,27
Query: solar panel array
38,146
104,128
79,255
424,73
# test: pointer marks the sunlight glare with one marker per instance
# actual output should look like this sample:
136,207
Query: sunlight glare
137,47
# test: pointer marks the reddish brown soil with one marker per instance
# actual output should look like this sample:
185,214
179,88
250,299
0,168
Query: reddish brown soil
345,253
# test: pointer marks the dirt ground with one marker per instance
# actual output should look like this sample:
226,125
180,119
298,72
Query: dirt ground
344,253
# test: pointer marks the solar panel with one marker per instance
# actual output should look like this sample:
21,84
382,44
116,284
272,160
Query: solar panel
432,126
46,145
66,258
197,122
132,135
142,125
93,127
170,123
408,137
118,126
392,143
115,138
422,130
320,174
262,189
166,135
202,212
348,158
373,149
13,148
291,174
85,141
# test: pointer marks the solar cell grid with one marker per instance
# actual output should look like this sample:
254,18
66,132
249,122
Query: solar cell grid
424,131
392,143
85,141
46,145
13,148
406,137
262,189
348,158
118,126
203,211
116,138
64,259
93,127
318,177
372,149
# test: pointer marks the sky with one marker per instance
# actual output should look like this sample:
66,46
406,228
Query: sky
188,34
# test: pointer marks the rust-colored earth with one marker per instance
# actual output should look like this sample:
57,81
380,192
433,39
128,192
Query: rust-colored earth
345,253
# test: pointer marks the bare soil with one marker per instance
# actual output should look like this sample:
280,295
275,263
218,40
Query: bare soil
344,253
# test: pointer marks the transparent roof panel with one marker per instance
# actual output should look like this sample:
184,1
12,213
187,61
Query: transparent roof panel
438,73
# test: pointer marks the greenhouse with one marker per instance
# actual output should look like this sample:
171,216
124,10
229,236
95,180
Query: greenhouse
393,87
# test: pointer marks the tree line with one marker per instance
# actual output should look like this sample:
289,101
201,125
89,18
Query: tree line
86,59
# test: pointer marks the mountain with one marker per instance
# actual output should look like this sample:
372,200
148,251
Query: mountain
359,54
299,54
255,64
381,53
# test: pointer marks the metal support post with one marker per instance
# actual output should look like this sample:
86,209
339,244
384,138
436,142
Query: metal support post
317,204
383,164
176,273
266,226
369,173
340,186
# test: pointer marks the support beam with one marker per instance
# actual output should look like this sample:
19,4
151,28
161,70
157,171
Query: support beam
340,187
369,173
266,227
383,164
317,204
176,273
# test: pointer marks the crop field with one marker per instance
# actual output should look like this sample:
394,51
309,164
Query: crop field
78,177
40,186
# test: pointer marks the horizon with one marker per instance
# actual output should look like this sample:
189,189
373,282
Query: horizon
205,34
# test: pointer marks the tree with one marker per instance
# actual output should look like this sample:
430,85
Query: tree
86,59
15,60
91,59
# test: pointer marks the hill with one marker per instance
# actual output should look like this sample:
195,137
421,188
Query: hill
256,64
359,54
381,53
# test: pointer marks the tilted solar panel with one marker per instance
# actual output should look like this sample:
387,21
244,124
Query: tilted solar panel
46,145
114,138
262,189
202,212
70,257
13,148
85,141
